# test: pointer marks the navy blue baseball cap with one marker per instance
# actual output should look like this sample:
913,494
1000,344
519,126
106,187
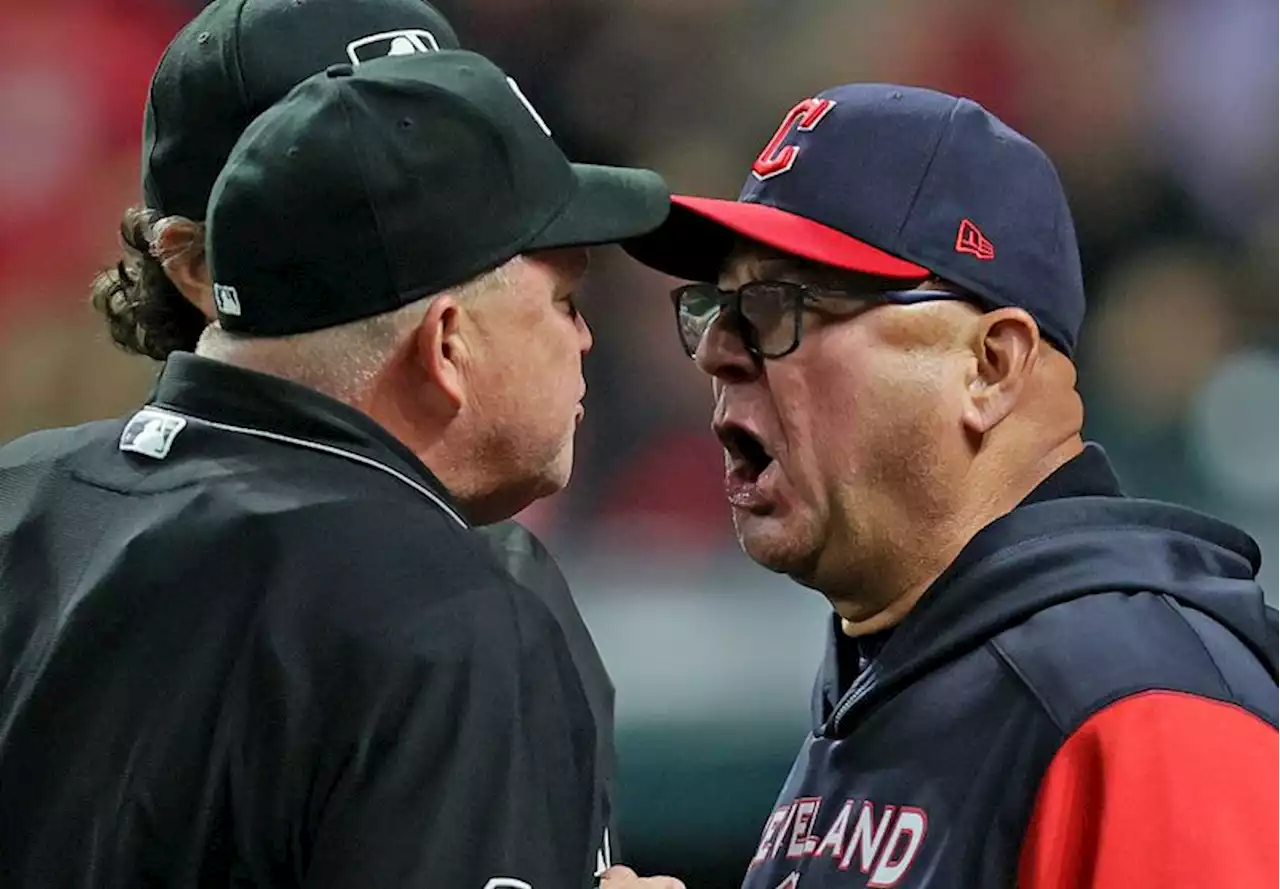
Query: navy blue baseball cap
902,183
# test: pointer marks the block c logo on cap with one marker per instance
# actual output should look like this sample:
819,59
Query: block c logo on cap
777,159
391,43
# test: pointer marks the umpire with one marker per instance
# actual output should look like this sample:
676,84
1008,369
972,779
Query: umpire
228,65
249,637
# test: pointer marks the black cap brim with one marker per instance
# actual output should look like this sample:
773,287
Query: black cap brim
610,204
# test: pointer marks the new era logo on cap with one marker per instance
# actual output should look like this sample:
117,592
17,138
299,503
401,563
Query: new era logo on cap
971,240
391,43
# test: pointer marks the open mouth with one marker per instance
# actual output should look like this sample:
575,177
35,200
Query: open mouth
747,454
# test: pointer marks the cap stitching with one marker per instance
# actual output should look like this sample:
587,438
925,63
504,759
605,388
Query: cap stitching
148,173
157,191
937,145
559,211
364,182
512,248
241,86
479,112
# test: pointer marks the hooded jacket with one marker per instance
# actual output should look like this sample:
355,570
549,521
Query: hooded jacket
1085,698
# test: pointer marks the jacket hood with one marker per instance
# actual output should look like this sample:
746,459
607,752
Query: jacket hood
1052,551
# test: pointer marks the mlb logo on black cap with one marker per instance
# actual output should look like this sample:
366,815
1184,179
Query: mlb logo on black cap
391,43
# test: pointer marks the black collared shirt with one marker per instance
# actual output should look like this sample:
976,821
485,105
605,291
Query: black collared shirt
247,639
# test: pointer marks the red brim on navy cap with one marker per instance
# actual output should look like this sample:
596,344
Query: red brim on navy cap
699,234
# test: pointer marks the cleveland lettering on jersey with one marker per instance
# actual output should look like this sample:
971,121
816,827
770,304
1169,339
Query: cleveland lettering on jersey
881,840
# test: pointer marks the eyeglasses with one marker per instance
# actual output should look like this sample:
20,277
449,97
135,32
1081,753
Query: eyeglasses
768,315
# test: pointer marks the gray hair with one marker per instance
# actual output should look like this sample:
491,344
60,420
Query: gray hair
341,361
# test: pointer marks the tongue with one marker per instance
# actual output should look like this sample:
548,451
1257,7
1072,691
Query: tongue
745,486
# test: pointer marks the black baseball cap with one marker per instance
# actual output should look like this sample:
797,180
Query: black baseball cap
902,183
371,186
237,58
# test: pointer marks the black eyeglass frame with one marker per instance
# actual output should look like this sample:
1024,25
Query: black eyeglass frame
797,297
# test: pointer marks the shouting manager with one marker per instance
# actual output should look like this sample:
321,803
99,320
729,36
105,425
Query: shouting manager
1031,680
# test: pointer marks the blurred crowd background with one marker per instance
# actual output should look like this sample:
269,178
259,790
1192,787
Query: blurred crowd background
1162,118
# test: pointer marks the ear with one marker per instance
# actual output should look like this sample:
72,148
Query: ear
178,244
442,349
1006,344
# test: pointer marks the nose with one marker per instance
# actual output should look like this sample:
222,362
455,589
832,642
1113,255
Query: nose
585,339
722,355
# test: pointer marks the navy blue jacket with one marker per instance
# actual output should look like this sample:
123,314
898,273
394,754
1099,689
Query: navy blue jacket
1085,698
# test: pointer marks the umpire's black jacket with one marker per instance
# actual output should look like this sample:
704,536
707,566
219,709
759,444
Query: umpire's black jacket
247,639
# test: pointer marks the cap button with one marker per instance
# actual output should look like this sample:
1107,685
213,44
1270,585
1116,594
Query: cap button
342,69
